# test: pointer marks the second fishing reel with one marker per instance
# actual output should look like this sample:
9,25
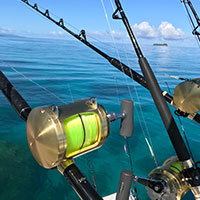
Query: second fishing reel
166,182
173,181
186,96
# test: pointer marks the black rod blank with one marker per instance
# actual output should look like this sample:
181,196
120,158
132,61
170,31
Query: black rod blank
15,99
80,183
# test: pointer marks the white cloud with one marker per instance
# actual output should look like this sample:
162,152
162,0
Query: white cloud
144,30
169,32
5,30
56,33
165,31
100,35
96,34
107,35
118,35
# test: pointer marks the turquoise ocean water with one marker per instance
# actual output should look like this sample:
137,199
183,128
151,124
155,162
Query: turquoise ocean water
48,72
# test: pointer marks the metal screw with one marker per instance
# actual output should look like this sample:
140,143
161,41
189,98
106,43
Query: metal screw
156,188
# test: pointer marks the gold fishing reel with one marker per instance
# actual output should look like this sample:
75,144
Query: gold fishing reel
175,186
186,96
59,133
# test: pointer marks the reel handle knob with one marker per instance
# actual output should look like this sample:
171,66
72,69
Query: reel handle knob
127,124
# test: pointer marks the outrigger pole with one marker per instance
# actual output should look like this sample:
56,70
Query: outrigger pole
191,172
113,61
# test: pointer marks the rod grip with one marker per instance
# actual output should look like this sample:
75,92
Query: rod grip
166,116
127,124
126,179
80,183
15,99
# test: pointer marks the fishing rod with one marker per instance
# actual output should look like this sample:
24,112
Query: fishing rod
54,135
191,171
13,96
195,27
58,134
45,151
113,61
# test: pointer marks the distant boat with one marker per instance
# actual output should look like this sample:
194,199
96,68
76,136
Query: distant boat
159,44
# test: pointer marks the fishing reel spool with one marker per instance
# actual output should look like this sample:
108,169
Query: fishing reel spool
59,133
186,96
175,186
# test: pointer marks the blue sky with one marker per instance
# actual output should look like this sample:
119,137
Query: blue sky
157,20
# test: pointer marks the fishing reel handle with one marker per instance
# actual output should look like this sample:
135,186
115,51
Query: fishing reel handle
126,116
126,179
127,123
156,185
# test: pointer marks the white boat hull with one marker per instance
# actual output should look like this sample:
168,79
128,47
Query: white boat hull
113,197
